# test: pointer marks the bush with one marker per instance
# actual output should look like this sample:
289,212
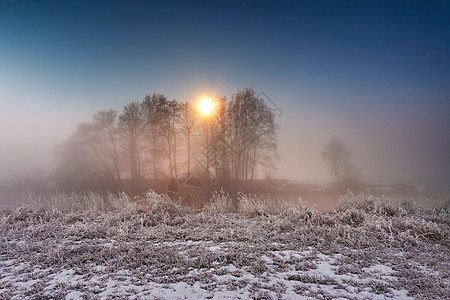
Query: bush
377,205
252,206
159,204
220,202
77,202
444,199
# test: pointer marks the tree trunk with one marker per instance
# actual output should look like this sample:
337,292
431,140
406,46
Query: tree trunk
155,173
174,149
189,152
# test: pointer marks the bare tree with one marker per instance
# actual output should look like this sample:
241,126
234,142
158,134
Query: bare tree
106,123
132,124
173,117
98,141
338,159
238,139
169,112
89,134
242,137
188,121
76,162
252,135
212,131
154,107
91,153
220,135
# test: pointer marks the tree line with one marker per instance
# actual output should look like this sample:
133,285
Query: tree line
161,138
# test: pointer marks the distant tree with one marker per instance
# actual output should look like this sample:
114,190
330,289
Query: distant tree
132,121
174,111
91,152
188,121
76,163
105,122
252,136
89,134
240,138
99,139
338,159
220,134
169,113
155,110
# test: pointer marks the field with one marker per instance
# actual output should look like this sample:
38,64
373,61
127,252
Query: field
91,247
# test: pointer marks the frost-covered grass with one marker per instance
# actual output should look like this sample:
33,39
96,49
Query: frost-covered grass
116,247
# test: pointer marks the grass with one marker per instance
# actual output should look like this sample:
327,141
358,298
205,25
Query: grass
160,242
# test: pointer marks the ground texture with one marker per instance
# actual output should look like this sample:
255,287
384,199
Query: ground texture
158,250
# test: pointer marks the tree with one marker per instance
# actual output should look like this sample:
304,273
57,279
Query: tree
252,136
338,159
173,114
95,142
241,137
169,113
132,123
76,163
188,121
220,135
105,121
238,139
154,107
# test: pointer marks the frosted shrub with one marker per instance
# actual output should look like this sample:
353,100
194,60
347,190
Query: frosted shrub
119,202
352,216
88,201
297,211
444,199
158,204
75,202
96,202
252,206
407,206
378,205
284,206
220,202
299,207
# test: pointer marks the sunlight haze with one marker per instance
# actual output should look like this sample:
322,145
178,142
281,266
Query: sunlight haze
376,76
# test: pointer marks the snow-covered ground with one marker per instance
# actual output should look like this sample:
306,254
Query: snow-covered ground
277,274
161,251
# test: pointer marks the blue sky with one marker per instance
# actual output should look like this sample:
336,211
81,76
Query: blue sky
374,73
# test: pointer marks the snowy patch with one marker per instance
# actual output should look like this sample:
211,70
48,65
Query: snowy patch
222,282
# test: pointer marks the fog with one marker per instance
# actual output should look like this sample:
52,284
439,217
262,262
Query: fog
29,139
374,76
387,144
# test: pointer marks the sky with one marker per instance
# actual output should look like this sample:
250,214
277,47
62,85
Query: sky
375,74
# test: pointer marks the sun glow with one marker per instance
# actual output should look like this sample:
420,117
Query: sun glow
206,107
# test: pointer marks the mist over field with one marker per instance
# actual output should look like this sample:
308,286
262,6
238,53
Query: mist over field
224,149
389,103
388,144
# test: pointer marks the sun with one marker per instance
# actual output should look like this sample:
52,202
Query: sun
206,107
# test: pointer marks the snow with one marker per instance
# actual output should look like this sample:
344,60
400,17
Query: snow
214,248
381,269
25,285
267,260
74,295
225,282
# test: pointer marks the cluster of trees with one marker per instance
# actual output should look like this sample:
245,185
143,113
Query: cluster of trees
162,138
